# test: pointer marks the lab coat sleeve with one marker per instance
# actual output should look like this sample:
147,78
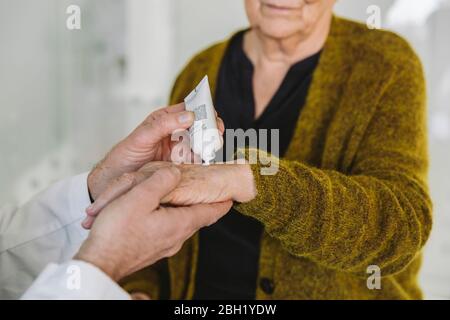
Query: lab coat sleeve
47,229
74,280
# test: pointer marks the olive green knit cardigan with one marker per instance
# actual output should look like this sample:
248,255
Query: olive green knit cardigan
351,191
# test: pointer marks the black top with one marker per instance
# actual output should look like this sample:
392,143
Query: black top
229,250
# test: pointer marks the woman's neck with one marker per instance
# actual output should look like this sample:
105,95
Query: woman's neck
261,48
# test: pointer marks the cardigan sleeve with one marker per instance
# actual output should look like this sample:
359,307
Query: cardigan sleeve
150,280
379,213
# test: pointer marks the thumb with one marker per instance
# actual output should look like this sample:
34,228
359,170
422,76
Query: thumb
163,123
148,194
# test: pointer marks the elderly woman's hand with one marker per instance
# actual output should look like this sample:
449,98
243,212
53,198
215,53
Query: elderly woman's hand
214,183
198,184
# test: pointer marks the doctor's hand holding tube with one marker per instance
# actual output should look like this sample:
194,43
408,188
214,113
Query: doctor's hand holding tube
150,141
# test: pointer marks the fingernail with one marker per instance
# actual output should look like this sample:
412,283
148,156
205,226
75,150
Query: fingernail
85,222
90,209
186,117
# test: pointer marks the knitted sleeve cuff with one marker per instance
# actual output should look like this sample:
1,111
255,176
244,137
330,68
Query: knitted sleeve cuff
277,199
144,281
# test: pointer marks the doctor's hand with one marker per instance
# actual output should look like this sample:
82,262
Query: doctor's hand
134,231
150,141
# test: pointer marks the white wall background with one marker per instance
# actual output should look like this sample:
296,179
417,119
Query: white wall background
67,96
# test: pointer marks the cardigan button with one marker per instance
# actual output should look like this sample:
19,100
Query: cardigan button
267,285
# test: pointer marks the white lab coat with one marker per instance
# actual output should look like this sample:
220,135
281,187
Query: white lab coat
45,234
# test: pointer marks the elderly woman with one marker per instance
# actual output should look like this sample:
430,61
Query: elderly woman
349,202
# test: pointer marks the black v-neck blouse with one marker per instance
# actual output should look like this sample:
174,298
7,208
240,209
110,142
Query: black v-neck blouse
229,250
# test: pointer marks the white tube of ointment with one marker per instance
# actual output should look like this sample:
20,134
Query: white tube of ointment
204,135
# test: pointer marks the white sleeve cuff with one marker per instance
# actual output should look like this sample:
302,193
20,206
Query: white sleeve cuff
78,196
74,280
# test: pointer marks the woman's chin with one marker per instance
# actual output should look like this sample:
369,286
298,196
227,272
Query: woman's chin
280,30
